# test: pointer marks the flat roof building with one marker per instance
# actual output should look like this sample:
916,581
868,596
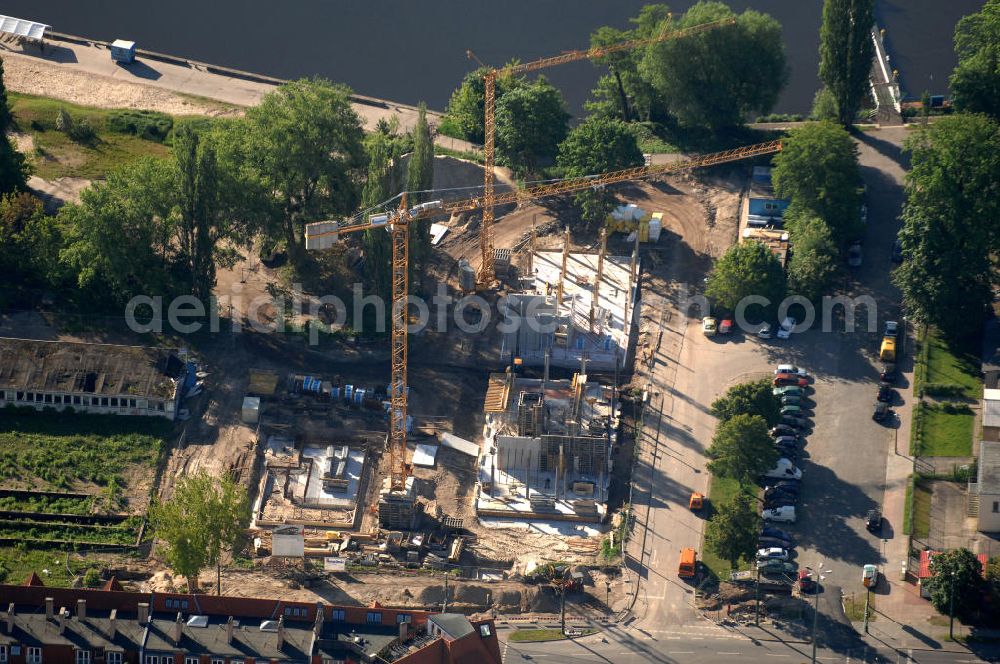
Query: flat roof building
94,378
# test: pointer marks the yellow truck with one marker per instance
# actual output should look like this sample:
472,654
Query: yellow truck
887,353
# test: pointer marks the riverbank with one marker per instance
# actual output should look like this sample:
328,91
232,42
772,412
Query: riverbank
81,71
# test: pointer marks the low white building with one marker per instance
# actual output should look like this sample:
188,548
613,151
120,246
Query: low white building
93,378
986,491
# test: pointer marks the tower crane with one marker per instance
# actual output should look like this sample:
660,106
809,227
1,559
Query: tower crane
486,275
324,234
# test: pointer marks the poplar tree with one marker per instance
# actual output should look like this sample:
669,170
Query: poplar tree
420,178
846,50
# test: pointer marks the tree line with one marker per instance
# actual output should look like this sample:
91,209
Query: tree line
165,226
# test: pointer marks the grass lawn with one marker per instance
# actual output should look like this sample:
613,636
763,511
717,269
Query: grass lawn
64,451
17,564
854,606
720,491
946,365
921,508
57,155
946,434
534,635
908,508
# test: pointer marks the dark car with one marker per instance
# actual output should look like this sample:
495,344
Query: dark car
888,374
882,412
793,441
789,453
771,531
782,500
764,542
787,488
873,521
795,421
885,393
784,430
897,251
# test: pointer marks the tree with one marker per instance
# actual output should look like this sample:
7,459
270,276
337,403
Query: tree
708,79
957,571
817,169
975,83
420,178
747,269
845,53
753,398
742,449
381,185
467,107
14,169
814,257
120,235
202,520
824,106
623,93
531,122
732,532
598,145
6,117
948,238
304,141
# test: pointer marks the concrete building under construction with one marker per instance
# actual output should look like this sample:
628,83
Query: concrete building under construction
547,452
574,306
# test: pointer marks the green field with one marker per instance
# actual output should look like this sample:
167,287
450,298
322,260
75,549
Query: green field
721,490
64,451
944,433
17,564
57,155
921,508
948,366
535,635
64,505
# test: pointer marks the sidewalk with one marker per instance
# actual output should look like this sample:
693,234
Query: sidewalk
107,82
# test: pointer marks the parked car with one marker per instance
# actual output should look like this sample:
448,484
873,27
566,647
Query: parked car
771,531
791,410
777,567
806,582
885,393
765,331
784,468
891,329
726,326
854,255
888,374
791,369
791,400
873,520
790,454
785,329
773,541
783,379
772,553
708,326
781,501
783,430
869,576
780,514
864,213
882,411
777,494
787,391
794,485
795,421
788,440
897,251
769,489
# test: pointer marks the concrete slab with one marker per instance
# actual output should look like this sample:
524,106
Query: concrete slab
425,455
309,487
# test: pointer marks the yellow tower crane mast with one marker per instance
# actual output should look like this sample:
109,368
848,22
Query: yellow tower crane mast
322,235
486,275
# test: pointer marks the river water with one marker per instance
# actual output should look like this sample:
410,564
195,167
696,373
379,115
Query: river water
411,51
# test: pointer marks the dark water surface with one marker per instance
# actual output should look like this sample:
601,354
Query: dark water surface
412,50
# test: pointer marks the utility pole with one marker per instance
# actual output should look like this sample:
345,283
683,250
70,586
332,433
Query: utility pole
444,606
951,608
562,607
816,583
756,600
868,600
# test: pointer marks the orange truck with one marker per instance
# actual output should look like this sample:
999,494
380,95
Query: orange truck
688,565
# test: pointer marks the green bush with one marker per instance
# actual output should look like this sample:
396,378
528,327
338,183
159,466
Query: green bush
92,578
953,408
781,117
82,132
944,389
150,125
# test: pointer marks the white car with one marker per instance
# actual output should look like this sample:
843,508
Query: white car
785,329
764,332
784,470
772,553
869,575
785,514
709,326
791,369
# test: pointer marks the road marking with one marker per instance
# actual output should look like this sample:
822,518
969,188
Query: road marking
680,652
773,654
727,653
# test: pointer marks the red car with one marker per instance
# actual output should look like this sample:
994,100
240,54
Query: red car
783,379
806,582
726,326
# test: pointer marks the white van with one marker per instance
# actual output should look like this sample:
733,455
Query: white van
785,514
784,470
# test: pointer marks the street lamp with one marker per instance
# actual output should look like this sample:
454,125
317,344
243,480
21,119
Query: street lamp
816,585
951,607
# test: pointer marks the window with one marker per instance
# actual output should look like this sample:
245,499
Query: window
114,402
112,657
218,660
59,399
48,398
374,618
334,661
337,615
82,657
177,604
104,402
20,396
996,506
152,659
295,612
236,661
402,618
3,654
191,660
34,655
484,631
76,400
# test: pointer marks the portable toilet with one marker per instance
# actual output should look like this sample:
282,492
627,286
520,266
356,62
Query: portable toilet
123,51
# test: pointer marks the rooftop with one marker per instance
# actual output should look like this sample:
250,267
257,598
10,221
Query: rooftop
455,625
989,468
82,368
